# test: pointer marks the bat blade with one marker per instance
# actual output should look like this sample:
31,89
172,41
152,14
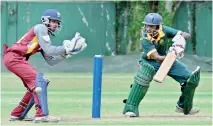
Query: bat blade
165,67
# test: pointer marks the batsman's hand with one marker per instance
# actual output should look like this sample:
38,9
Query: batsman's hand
179,51
179,41
178,46
76,45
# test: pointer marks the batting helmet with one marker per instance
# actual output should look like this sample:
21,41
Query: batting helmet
50,14
153,19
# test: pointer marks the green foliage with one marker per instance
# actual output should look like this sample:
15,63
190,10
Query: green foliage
137,11
167,16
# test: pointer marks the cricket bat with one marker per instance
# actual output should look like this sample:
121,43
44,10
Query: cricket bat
165,67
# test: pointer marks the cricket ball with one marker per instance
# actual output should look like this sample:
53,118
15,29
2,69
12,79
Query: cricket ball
38,89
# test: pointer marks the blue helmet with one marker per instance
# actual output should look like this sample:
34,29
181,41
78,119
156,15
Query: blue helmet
153,19
50,14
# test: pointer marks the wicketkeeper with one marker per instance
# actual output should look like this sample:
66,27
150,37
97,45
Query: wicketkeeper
15,58
154,40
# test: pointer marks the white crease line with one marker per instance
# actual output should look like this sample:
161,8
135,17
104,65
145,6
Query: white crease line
105,93
110,77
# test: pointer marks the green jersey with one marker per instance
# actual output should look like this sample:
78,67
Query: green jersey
159,44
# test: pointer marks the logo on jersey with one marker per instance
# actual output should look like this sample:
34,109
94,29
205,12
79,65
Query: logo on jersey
161,42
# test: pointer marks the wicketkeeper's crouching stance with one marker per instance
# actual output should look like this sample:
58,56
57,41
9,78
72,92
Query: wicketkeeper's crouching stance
36,40
154,40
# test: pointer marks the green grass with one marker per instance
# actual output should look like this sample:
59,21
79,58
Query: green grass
70,97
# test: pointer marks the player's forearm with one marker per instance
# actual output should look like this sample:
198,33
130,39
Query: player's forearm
52,60
157,57
41,32
55,60
50,49
53,50
160,58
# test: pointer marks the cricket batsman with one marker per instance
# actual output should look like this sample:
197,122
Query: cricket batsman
15,58
154,39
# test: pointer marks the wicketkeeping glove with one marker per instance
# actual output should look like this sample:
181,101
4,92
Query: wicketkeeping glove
76,45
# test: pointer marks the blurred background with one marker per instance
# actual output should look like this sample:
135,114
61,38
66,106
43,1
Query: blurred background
112,29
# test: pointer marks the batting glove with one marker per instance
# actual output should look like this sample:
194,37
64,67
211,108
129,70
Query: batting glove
179,41
179,51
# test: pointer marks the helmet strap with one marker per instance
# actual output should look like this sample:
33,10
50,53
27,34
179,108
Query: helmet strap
50,32
155,33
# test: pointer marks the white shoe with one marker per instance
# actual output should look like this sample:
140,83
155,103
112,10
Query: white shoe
178,109
130,114
15,118
192,111
46,119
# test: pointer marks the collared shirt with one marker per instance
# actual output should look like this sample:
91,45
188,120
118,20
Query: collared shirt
36,40
159,44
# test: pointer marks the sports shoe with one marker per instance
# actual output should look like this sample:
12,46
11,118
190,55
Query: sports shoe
192,111
130,114
46,119
15,118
